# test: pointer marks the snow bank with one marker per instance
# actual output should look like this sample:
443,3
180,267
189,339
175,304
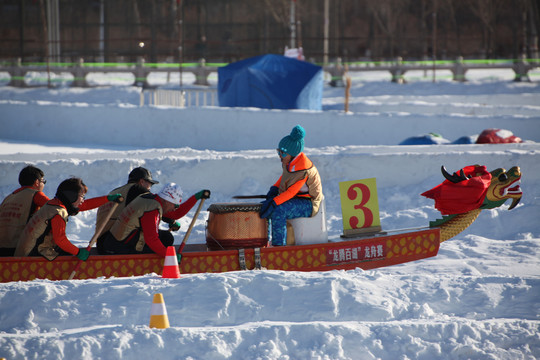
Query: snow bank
402,173
380,114
477,299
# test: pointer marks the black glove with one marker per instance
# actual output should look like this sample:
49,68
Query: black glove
173,225
267,208
272,193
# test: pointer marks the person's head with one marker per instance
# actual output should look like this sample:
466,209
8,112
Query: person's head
142,177
292,145
71,193
32,176
172,194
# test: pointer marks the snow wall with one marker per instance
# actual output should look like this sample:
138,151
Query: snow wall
240,128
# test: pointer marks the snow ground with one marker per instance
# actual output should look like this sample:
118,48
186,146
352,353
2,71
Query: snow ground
477,299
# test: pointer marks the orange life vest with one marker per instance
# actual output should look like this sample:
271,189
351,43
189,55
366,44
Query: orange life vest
300,169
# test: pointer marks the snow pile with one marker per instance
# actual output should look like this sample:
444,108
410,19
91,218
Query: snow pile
478,299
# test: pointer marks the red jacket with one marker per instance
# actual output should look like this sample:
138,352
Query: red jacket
150,224
58,225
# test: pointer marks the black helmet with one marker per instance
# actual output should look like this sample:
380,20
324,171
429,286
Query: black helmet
141,173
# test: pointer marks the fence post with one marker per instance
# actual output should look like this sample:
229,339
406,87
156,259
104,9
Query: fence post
398,71
79,75
17,73
521,68
201,74
459,70
336,72
140,73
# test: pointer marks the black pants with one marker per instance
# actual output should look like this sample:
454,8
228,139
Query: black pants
7,251
108,245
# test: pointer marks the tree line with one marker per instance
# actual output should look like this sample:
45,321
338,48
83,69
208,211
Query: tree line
229,30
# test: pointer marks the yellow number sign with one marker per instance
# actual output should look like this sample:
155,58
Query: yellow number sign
360,206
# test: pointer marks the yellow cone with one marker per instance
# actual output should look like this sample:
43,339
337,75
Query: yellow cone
158,314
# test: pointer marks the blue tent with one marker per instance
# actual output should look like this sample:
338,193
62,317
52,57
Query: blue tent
271,82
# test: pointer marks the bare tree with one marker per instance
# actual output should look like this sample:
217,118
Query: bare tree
452,8
388,15
487,11
280,10
533,11
525,27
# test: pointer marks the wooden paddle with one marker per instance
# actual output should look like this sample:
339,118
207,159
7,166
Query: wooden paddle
94,238
188,232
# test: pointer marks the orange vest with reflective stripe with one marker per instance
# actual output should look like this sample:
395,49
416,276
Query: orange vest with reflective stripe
300,168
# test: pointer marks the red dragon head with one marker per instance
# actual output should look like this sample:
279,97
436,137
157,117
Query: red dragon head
503,185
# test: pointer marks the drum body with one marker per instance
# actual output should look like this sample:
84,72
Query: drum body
235,226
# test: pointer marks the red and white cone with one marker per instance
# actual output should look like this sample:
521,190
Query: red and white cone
170,266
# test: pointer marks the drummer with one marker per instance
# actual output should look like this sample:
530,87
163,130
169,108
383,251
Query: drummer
298,191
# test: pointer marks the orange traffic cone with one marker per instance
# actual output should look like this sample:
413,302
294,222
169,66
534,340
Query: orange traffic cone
158,314
170,266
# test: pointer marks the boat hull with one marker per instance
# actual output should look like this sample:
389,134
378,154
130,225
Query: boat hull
366,253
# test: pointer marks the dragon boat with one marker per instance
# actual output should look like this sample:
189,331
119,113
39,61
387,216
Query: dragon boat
460,199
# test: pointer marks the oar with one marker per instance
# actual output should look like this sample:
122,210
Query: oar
249,197
94,238
181,247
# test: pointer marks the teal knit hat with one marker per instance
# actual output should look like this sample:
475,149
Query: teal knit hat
293,144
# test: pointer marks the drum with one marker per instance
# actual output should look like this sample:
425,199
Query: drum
235,226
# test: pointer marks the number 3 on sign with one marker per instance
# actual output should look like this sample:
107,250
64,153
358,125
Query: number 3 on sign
359,204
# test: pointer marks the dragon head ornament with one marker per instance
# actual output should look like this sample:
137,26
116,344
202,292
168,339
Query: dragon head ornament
465,193
504,185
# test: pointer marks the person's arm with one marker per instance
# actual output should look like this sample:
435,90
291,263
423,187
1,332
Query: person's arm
58,229
290,192
183,209
149,226
93,203
40,199
96,202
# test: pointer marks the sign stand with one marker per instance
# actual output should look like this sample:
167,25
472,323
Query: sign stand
367,232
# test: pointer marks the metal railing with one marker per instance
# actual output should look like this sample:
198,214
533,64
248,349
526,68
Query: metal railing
179,98
201,70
